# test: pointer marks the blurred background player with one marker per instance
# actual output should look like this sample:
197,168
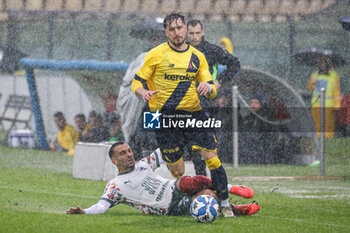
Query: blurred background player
215,55
130,106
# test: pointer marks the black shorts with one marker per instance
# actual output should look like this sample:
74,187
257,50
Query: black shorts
180,204
172,142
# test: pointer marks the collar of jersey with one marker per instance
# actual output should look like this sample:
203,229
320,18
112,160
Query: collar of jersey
126,172
188,47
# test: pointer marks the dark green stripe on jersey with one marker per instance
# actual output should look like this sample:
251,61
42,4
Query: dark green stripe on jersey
143,81
178,94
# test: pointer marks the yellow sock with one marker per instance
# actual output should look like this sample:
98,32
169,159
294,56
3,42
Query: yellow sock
213,163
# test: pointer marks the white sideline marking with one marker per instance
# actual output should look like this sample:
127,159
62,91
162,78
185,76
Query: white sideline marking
320,196
46,192
304,221
268,178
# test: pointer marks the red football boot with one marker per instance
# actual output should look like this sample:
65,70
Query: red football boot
243,191
247,209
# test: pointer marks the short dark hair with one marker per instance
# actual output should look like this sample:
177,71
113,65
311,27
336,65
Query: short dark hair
114,145
81,116
171,17
194,22
59,115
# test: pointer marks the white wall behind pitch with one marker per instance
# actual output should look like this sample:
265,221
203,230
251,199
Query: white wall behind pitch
57,92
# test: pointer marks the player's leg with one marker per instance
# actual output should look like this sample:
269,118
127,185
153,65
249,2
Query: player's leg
198,163
177,169
190,185
172,152
219,179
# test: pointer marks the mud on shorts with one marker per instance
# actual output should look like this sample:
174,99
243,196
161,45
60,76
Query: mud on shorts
180,204
173,141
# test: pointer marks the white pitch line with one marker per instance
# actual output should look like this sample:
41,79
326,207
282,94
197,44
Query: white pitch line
269,178
304,221
320,196
46,192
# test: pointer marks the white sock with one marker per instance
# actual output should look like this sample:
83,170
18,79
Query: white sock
225,203
229,187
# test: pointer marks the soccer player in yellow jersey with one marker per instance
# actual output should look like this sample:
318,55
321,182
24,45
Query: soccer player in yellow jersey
167,80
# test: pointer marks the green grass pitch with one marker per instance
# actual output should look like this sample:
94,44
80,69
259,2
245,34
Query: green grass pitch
36,188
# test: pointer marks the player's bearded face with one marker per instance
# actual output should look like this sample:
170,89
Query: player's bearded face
124,158
176,32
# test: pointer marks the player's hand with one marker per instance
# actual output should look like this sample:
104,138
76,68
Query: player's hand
204,88
147,95
313,81
75,210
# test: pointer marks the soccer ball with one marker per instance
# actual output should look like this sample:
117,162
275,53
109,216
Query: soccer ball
204,208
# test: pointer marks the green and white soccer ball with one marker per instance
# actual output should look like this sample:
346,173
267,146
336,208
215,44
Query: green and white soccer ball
204,209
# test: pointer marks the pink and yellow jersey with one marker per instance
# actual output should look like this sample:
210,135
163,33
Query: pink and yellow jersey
173,74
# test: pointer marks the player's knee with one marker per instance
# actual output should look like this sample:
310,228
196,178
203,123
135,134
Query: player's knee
177,169
177,173
172,155
206,192
213,163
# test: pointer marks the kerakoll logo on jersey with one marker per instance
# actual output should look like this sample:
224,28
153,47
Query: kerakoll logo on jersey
174,77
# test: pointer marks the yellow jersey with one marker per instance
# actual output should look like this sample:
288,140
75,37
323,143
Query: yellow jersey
67,138
173,74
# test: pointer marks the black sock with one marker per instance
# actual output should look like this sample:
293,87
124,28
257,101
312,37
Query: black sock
219,179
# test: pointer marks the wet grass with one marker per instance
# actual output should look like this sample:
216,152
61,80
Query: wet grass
37,187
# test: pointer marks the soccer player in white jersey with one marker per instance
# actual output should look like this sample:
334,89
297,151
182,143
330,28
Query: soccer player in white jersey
138,186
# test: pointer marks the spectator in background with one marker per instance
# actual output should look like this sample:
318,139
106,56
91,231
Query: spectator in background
82,125
67,136
226,43
115,128
258,140
251,128
326,78
97,132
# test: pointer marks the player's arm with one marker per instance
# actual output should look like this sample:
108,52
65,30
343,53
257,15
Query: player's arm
154,159
139,83
141,91
232,64
99,208
312,82
206,85
223,57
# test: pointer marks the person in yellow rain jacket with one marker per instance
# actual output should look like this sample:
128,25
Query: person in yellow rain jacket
326,78
67,136
226,43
